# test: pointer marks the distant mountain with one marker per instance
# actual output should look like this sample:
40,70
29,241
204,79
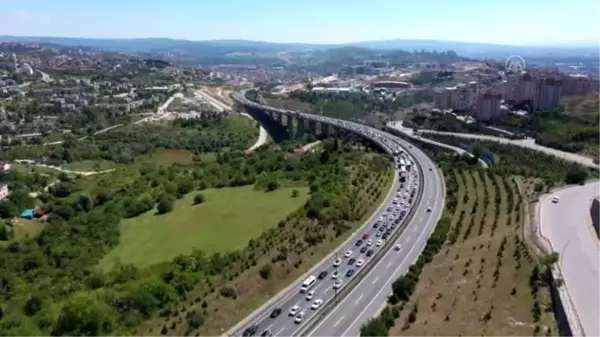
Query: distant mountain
220,48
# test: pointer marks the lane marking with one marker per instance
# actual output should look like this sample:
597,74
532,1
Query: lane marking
358,300
278,333
393,275
389,264
339,320
376,279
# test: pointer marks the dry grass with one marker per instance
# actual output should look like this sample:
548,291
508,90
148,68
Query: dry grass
474,286
585,107
252,290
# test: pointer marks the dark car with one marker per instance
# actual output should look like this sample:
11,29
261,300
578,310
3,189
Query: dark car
275,313
369,252
250,331
359,243
363,249
384,236
323,274
375,225
430,169
350,272
266,333
351,261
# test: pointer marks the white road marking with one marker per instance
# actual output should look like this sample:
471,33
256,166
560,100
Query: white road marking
389,264
338,321
278,333
376,279
358,300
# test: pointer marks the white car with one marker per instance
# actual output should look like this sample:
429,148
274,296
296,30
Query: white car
338,283
299,317
337,262
360,262
294,310
379,243
335,274
555,199
316,304
310,295
348,253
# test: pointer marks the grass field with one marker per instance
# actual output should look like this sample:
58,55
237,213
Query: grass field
290,239
479,282
171,156
224,222
27,228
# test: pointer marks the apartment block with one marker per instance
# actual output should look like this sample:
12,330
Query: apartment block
488,106
579,85
460,97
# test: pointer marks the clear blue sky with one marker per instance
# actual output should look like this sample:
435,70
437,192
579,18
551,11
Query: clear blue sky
541,22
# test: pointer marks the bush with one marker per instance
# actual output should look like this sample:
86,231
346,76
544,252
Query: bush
576,175
272,185
195,319
199,198
165,204
265,271
228,292
295,193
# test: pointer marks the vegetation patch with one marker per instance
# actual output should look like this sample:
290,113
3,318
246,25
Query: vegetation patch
225,221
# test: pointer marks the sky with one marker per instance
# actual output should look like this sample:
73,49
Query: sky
514,22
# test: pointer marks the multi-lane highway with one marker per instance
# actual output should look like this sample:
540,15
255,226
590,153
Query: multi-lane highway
364,301
332,277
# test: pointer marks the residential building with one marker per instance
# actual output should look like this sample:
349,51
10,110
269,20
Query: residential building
488,106
462,97
579,85
540,90
4,191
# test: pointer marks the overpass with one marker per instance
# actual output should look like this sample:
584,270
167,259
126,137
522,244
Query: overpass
414,225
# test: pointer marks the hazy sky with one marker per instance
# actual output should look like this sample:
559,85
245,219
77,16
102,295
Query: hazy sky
517,22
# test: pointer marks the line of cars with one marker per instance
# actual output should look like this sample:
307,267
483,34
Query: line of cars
366,245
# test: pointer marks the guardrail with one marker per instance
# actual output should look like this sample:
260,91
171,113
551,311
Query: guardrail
362,273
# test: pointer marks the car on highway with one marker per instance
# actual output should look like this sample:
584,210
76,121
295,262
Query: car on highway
359,243
555,199
348,253
337,284
275,313
335,274
379,243
322,274
351,261
266,333
310,295
294,310
337,262
363,249
378,234
360,262
397,247
428,209
365,236
316,304
299,317
375,225
369,242
250,331
350,272
430,169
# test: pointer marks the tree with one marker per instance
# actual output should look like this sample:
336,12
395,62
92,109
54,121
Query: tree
374,327
8,209
272,185
295,193
576,175
199,198
265,271
165,204
85,315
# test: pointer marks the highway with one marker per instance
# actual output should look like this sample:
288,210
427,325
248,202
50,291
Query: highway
352,253
371,293
567,226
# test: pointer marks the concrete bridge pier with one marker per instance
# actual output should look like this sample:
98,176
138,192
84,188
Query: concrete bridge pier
290,125
312,126
301,127
325,130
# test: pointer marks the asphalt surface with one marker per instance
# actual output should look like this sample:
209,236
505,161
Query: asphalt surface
365,300
567,225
